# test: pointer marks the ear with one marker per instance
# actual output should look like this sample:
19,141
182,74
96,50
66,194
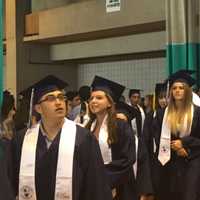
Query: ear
37,108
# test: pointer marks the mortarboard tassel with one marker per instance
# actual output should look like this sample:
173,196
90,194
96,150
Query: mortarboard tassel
31,109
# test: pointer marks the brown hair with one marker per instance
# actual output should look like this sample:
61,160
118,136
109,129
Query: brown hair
176,116
111,121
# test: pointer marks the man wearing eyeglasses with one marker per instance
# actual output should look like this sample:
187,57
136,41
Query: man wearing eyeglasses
56,159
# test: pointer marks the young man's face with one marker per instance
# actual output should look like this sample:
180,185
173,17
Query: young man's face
75,101
135,99
52,105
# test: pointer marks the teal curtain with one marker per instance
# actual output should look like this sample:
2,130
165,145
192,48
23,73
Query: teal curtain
1,51
183,36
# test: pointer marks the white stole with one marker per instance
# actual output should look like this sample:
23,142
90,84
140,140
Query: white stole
135,165
103,136
86,119
133,121
63,186
164,153
143,116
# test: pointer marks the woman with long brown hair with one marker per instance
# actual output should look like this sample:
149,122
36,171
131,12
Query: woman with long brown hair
178,142
115,137
7,115
6,134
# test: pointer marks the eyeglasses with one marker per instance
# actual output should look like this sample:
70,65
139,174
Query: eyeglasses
52,98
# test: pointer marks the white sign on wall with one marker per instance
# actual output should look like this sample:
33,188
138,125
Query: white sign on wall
112,5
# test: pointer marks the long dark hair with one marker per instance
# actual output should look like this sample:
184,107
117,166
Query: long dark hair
111,121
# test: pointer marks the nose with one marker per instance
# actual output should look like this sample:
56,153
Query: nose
57,101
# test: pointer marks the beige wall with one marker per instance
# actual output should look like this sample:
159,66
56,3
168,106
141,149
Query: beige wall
90,16
77,17
109,46
35,65
35,72
38,5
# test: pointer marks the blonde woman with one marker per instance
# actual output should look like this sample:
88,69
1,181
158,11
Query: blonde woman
177,138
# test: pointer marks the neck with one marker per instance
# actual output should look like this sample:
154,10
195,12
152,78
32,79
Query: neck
179,104
52,128
100,118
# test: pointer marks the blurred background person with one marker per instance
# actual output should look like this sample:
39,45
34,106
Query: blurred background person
74,104
8,111
83,117
148,103
138,122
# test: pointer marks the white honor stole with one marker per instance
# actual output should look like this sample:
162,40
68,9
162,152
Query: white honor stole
133,121
103,136
63,186
164,153
135,165
142,115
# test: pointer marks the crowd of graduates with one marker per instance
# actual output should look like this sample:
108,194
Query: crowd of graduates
95,144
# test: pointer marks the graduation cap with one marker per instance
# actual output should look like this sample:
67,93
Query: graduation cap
160,88
188,71
182,76
48,84
112,88
126,109
134,91
160,92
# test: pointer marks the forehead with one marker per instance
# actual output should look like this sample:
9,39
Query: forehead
56,92
178,83
135,95
98,92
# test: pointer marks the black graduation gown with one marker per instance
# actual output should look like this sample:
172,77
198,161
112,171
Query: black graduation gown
148,136
6,192
142,183
138,120
123,157
89,180
180,177
143,178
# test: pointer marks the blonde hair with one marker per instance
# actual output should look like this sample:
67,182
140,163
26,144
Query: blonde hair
176,116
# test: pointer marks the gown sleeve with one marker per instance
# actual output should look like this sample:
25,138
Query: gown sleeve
6,192
123,155
95,184
191,143
143,179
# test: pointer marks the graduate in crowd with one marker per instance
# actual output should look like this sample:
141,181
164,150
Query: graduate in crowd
6,134
148,103
139,185
7,115
57,159
83,117
74,103
177,138
138,122
116,139
160,95
148,133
